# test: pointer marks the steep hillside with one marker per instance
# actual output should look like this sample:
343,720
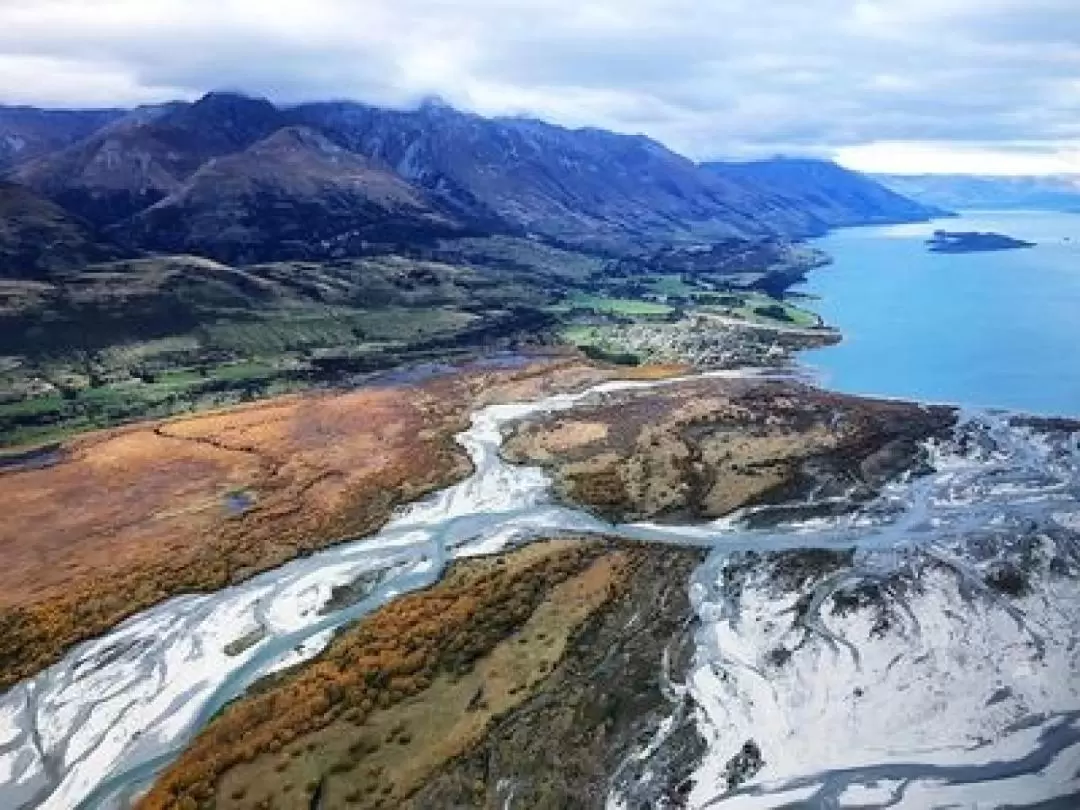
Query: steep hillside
584,186
294,195
38,237
829,194
223,122
206,177
959,191
121,169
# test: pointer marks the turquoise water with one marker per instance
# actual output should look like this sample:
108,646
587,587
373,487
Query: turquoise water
997,330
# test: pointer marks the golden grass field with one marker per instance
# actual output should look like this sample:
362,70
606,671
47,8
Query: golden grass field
134,515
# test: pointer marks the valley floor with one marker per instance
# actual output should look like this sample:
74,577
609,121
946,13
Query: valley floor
704,591
116,521
849,598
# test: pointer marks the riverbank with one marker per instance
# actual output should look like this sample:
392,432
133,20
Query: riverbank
879,543
928,657
525,677
249,755
112,522
121,520
168,669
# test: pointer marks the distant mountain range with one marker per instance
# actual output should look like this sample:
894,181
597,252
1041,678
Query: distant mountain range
834,196
958,191
27,132
240,180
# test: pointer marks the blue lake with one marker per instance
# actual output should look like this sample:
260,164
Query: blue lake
998,329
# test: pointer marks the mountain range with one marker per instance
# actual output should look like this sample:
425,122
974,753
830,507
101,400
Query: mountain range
834,196
239,179
974,192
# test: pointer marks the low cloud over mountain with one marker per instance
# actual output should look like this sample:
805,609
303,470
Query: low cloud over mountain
710,79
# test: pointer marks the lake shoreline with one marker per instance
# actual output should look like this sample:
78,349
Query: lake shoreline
928,327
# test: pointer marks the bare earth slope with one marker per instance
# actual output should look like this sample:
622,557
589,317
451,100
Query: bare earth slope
27,132
587,186
120,169
832,195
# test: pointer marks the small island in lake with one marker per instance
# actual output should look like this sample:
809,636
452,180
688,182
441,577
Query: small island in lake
973,242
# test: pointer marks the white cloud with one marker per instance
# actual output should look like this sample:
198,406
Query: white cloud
52,81
709,77
959,158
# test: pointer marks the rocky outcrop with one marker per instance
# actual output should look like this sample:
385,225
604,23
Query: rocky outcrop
29,132
973,242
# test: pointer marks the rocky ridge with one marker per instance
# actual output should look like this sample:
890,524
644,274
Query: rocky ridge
588,187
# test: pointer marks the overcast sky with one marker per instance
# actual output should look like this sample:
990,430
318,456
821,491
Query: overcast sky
909,85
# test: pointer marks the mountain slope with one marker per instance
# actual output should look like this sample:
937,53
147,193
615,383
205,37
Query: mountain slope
38,237
220,123
585,186
830,194
29,132
958,191
293,195
121,169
